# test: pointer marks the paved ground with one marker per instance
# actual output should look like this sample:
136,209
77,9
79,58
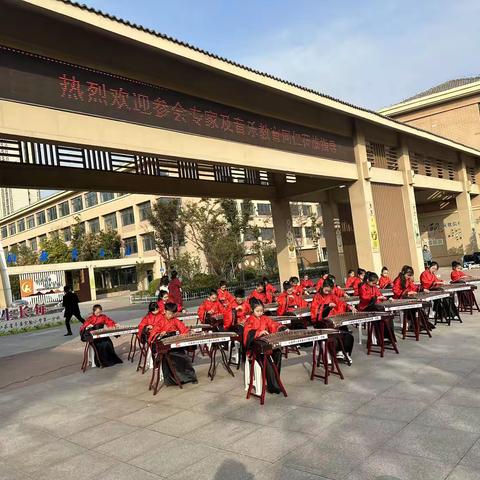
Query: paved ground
407,417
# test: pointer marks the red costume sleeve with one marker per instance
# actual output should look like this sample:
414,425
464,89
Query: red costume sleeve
109,322
457,275
250,324
271,325
282,304
180,326
356,285
202,311
146,320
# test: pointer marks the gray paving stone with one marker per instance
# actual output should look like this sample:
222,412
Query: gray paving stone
220,404
117,407
18,438
222,432
123,471
422,391
269,444
182,423
464,473
281,472
472,457
149,415
454,365
435,443
44,456
222,466
390,408
133,444
188,399
451,416
172,457
76,424
343,402
390,465
255,413
330,459
308,420
9,472
85,466
99,434
472,380
463,396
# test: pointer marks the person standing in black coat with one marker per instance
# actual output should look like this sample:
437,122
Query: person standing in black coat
70,304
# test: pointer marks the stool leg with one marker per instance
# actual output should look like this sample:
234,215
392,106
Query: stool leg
264,379
335,365
314,360
253,359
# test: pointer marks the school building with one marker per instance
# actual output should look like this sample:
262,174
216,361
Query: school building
128,215
452,110
91,102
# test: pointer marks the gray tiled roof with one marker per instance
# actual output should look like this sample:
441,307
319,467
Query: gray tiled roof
443,87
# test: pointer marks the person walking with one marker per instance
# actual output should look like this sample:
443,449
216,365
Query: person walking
427,256
175,290
70,304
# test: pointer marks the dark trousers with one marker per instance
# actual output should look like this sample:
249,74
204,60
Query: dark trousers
68,318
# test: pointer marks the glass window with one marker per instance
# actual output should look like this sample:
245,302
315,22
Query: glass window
247,208
21,225
81,228
31,221
148,242
52,213
294,209
106,196
91,199
4,232
33,244
77,204
309,231
120,194
144,209
94,225
249,236
64,209
324,253
67,234
131,246
127,215
111,221
41,218
12,229
298,232
42,239
264,209
266,233
307,210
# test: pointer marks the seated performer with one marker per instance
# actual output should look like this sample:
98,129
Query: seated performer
163,298
337,291
385,281
429,279
319,284
168,325
324,305
297,288
259,294
457,274
242,311
224,296
105,355
289,301
467,298
210,306
306,283
350,279
358,281
270,290
257,325
148,322
403,286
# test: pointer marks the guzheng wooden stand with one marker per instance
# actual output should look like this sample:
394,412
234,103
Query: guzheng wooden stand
325,352
213,361
383,326
418,320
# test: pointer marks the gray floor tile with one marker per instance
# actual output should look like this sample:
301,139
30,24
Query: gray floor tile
472,457
149,415
182,423
464,473
422,391
451,416
327,459
221,404
255,413
222,432
9,472
392,408
99,434
172,457
133,444
119,406
308,420
222,466
18,438
435,443
85,466
281,472
343,402
396,466
123,471
463,396
269,444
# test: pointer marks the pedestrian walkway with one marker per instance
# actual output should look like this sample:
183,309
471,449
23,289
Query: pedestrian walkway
413,416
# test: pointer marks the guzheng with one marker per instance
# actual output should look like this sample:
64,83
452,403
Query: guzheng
433,295
293,337
348,318
468,280
200,327
192,339
283,319
352,300
398,304
349,291
301,312
308,298
271,307
387,292
458,287
114,331
187,317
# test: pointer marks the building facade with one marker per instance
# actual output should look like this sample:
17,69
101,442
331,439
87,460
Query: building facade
13,199
452,110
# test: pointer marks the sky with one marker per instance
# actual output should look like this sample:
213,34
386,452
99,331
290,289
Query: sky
372,53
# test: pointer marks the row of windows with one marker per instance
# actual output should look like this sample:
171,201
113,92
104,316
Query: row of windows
73,206
295,208
267,234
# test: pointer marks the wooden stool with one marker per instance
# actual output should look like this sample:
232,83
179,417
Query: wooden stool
418,319
383,325
320,354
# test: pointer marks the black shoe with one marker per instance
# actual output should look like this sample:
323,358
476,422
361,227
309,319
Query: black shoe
67,334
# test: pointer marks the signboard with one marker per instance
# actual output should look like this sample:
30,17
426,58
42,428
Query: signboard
24,317
38,80
41,283
373,230
26,287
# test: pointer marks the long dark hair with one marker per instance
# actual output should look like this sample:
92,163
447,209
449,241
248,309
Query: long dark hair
406,270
